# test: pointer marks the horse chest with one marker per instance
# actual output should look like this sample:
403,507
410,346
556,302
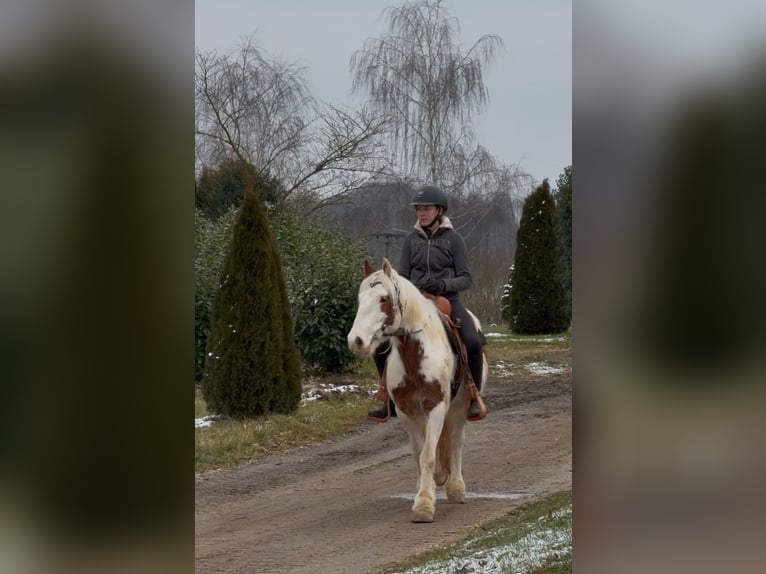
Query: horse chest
416,387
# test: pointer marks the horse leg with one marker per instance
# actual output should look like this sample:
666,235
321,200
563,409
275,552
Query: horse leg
455,486
444,453
425,501
416,443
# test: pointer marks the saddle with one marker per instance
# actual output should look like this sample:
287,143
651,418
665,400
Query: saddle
462,373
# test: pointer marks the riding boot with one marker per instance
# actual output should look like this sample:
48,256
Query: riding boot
477,410
474,410
384,408
382,411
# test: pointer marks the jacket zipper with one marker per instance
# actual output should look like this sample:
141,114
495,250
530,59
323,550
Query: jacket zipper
428,258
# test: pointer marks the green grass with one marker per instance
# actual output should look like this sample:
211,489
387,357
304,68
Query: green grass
534,538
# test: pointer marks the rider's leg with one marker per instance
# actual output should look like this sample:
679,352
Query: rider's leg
474,350
379,411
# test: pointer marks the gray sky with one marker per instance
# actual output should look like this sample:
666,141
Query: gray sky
528,121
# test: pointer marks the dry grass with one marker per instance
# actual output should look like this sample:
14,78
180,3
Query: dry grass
227,443
514,357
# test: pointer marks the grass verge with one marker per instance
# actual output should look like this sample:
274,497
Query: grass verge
535,538
230,442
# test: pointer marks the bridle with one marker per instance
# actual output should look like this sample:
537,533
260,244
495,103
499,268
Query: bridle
391,317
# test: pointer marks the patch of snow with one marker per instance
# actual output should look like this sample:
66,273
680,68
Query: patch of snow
500,368
204,421
544,369
528,338
323,391
525,555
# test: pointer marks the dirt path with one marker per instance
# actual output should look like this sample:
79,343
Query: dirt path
344,506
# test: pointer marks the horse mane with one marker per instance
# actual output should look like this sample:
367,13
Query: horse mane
423,311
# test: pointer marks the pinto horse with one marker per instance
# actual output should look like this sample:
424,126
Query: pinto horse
419,375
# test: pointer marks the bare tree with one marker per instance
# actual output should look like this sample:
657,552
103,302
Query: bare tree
249,107
260,111
432,90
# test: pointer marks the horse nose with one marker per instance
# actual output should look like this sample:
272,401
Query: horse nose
355,343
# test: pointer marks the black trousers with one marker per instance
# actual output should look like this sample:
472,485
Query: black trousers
467,332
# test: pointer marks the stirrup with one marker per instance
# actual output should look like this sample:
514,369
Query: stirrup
377,414
482,409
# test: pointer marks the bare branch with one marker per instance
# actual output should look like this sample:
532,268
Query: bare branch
259,110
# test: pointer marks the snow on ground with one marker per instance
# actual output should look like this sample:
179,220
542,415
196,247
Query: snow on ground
539,545
551,339
501,369
205,421
544,369
324,391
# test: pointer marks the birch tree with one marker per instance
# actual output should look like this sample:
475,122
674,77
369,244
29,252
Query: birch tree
418,75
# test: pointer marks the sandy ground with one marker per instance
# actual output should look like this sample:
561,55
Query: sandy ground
343,506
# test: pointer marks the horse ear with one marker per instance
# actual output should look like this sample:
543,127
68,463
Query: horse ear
387,267
368,270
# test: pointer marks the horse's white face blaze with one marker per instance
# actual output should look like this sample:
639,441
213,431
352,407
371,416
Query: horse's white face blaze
375,312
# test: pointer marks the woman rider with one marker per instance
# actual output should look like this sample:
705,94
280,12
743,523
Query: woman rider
434,258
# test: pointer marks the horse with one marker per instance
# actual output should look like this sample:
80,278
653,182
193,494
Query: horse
419,374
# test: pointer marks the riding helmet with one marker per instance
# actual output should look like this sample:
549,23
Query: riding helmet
430,195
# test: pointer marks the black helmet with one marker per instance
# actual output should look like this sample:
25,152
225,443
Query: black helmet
430,195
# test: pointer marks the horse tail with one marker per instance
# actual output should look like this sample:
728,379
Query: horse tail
444,451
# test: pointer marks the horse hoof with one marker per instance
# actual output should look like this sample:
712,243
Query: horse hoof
422,516
441,477
423,512
455,498
456,493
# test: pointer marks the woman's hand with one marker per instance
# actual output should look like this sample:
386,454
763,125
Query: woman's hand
434,286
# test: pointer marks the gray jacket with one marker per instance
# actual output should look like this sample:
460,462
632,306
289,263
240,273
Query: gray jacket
442,256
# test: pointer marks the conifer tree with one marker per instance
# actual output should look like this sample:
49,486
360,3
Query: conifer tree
537,303
564,232
252,365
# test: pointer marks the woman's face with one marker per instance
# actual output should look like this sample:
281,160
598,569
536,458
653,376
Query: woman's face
426,214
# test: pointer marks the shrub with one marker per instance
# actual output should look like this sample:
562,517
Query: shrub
211,241
220,188
252,366
537,300
564,232
323,271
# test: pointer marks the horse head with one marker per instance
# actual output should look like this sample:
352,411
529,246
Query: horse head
379,312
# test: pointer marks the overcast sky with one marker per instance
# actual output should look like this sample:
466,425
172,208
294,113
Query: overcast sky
528,121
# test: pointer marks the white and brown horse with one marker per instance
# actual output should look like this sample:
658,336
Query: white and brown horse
419,374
